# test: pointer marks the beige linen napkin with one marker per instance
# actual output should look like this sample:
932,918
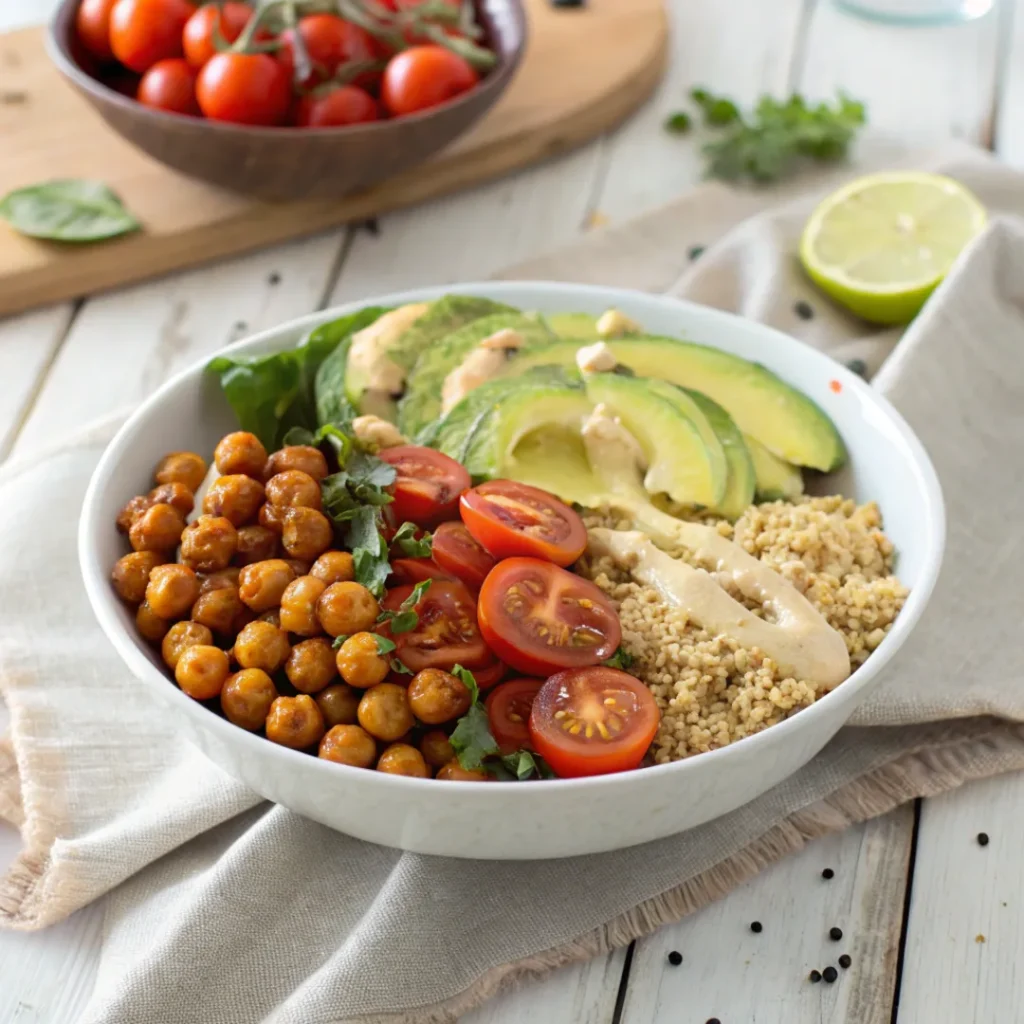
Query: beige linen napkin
226,909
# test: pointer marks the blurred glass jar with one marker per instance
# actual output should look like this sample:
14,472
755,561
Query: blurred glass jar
918,12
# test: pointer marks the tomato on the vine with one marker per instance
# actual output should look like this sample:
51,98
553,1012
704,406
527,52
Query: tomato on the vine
197,38
330,42
427,488
340,105
423,77
92,23
244,88
145,31
170,85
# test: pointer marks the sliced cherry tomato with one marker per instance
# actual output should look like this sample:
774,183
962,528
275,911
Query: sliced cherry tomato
197,37
428,486
508,712
244,88
416,570
170,84
509,519
487,677
145,31
342,105
593,721
541,619
424,76
92,23
456,551
330,42
447,633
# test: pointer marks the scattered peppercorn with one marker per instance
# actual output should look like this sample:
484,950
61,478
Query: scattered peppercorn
830,974
859,367
713,1020
241,325
815,977
275,278
828,873
804,310
845,961
835,934
567,3
983,839
695,252
675,958
756,927
371,226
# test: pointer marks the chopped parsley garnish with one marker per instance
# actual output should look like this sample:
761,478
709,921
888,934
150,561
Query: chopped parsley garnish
406,617
621,659
409,544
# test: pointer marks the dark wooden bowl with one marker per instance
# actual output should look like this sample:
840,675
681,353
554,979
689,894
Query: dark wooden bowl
291,163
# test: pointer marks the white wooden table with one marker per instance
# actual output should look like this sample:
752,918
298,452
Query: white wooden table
933,922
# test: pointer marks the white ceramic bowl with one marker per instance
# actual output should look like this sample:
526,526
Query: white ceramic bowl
510,821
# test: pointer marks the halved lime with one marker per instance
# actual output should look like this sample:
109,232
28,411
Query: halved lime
882,244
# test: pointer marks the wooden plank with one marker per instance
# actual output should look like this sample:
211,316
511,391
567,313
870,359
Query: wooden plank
583,72
966,929
731,973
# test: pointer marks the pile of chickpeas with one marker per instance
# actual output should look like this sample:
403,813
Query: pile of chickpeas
245,603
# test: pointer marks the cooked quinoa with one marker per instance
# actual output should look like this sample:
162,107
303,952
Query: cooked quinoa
711,691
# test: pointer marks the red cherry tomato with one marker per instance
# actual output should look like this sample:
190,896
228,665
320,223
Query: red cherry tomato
593,721
457,552
197,38
487,677
423,77
541,619
145,31
92,23
344,104
330,42
408,7
170,85
446,633
508,712
509,519
416,570
428,486
244,88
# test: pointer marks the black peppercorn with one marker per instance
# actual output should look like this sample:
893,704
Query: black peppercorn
275,278
983,839
713,1020
828,873
756,927
845,961
567,3
815,977
858,366
675,958
830,974
835,934
804,310
695,252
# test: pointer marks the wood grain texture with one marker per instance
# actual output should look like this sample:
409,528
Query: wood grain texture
583,72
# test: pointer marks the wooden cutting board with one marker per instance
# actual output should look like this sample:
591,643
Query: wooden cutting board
585,69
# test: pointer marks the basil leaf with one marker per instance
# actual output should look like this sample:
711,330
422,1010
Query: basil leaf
68,210
406,617
469,680
402,622
472,740
339,640
384,645
402,670
410,545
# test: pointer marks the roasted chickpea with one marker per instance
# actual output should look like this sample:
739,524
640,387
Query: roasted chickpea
261,584
261,645
236,497
131,510
246,698
338,704
159,528
333,567
454,772
219,580
272,518
436,748
297,456
348,744
202,671
360,662
310,666
401,759
180,636
255,544
149,624
347,608
298,606
181,468
176,494
131,574
295,722
384,712
436,696
298,566
172,590
307,533
294,489
273,616
222,610
241,452
209,543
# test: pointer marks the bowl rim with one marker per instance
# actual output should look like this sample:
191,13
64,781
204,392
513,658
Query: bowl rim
59,53
106,605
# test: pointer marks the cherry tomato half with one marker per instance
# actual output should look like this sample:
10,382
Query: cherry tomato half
508,519
330,42
541,619
92,23
344,104
145,31
446,634
416,570
197,37
244,88
170,84
508,712
593,721
428,486
422,77
487,677
457,552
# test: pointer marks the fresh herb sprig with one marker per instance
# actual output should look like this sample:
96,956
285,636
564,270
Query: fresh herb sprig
406,618
410,545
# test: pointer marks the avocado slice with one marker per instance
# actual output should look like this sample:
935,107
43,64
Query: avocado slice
574,325
684,461
555,459
399,338
761,404
776,480
422,400
739,491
